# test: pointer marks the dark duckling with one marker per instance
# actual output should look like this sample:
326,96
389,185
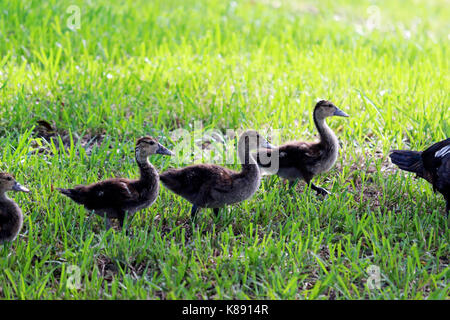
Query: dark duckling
11,217
114,198
213,186
433,165
304,160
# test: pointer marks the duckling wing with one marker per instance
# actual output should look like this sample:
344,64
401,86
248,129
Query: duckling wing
105,194
5,222
3,215
10,220
195,183
292,155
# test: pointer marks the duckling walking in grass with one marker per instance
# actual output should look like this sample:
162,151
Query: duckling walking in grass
213,186
304,160
11,217
117,197
433,165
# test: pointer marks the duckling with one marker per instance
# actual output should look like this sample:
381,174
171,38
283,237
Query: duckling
433,165
117,197
213,186
304,160
11,217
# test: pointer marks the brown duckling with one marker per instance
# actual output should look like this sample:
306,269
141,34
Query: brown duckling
433,165
304,160
114,198
213,186
11,217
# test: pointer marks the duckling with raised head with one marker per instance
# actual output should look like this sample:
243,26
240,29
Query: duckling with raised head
117,197
304,160
213,186
433,165
11,217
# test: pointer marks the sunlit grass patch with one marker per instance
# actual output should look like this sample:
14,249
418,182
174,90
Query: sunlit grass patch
149,67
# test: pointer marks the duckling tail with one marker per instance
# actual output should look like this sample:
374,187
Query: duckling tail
64,191
408,160
71,193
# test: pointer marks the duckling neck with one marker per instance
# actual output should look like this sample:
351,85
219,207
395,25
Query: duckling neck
249,165
327,136
149,175
3,196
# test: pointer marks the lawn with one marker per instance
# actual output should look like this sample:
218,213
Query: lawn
134,68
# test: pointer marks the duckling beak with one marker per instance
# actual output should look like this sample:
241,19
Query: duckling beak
164,151
340,113
18,187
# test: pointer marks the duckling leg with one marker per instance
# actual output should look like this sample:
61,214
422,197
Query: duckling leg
194,211
122,215
447,207
319,190
121,218
293,183
107,223
216,212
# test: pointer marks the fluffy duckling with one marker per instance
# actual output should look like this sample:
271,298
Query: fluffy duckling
11,217
433,165
213,186
114,198
304,160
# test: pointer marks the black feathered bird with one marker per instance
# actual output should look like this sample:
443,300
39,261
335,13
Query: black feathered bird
433,165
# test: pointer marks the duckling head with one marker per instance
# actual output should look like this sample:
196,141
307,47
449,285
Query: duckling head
147,146
8,183
325,109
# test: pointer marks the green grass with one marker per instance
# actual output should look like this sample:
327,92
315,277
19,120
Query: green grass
150,67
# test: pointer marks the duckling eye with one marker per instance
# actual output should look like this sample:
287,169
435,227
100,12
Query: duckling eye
9,178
